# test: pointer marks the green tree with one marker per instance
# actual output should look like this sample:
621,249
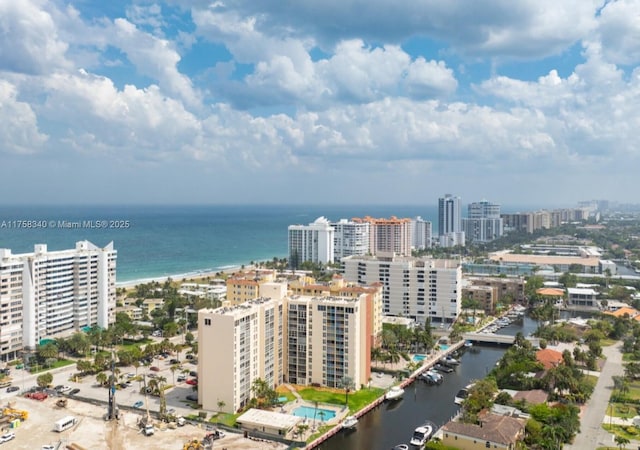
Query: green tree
44,380
46,351
621,441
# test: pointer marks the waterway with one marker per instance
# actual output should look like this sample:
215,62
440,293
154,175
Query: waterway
393,423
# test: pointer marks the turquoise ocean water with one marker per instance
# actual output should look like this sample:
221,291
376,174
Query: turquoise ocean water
174,240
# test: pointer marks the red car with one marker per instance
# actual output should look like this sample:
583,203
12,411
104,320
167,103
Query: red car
155,368
192,382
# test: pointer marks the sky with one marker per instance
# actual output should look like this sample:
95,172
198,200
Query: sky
319,101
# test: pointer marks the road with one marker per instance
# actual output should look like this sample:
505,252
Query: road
592,434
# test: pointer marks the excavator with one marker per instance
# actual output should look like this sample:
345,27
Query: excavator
194,444
15,414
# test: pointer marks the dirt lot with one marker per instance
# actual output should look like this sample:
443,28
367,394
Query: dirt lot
92,432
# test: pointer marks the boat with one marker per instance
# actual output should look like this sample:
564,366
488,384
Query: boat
468,344
431,377
395,393
449,361
421,435
443,368
350,422
461,396
400,447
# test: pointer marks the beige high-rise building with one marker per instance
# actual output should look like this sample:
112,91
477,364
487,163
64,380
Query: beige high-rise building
238,345
298,339
392,235
338,287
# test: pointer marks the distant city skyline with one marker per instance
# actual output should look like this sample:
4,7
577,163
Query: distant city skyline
250,102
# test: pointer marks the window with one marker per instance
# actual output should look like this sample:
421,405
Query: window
207,321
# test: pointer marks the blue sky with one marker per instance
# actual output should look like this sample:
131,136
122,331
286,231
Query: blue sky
319,101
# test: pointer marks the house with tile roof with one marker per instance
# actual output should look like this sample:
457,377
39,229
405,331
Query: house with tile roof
632,313
492,431
549,358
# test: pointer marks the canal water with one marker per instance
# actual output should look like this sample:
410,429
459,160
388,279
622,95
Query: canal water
393,423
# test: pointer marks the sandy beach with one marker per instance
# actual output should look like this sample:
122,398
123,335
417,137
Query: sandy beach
184,276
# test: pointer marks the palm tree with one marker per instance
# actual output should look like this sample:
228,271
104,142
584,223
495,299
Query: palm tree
102,378
173,369
621,441
221,405
346,383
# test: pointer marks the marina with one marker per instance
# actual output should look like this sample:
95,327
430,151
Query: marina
391,424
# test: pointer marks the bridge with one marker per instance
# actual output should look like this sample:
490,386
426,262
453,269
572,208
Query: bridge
492,338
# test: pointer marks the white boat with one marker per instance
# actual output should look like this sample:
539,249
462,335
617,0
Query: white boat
350,422
449,360
395,393
401,447
468,344
421,435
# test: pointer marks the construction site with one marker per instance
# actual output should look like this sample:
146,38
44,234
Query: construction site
34,424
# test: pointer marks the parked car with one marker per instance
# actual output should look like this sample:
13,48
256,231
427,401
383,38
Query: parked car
138,404
13,388
181,378
74,391
64,389
48,447
7,437
193,373
192,397
174,361
151,375
154,368
131,375
58,387
171,411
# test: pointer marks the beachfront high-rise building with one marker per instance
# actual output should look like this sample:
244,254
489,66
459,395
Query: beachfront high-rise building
483,223
244,286
296,339
313,242
418,288
350,238
450,221
238,345
388,235
422,233
49,294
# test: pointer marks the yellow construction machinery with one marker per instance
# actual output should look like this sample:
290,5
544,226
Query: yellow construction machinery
195,444
15,414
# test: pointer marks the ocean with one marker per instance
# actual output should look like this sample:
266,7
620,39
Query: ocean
160,241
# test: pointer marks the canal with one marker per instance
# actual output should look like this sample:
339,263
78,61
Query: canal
393,423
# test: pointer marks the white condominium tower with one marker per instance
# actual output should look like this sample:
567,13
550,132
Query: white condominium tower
450,221
313,242
413,287
351,238
49,294
422,233
483,223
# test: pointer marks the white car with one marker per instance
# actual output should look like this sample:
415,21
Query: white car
7,437
65,388
131,375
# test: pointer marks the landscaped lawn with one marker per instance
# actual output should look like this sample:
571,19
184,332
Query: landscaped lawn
357,399
55,365
628,431
622,410
634,391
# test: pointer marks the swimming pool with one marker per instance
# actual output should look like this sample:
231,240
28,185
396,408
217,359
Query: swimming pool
310,412
419,358
444,346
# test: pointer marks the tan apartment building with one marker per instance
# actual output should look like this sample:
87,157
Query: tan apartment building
485,296
338,287
238,345
300,340
245,286
511,287
392,235
327,340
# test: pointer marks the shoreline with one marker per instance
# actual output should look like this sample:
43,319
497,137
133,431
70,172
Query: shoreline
182,276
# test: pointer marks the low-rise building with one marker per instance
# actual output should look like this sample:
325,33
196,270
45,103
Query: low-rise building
582,297
494,431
